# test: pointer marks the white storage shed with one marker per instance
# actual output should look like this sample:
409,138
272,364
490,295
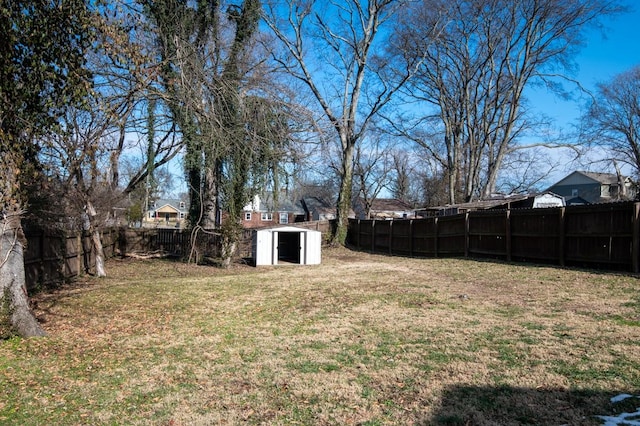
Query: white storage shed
286,244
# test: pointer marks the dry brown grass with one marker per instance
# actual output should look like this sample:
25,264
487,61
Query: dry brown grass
360,339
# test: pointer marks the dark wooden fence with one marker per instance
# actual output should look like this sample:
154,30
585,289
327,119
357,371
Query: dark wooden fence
54,257
599,236
51,258
177,242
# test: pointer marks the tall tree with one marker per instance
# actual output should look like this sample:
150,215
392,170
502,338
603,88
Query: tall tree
331,48
216,88
476,72
613,118
41,72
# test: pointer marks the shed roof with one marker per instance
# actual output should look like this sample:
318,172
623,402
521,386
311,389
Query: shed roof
285,229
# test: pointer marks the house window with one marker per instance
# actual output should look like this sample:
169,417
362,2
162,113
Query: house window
181,215
574,192
284,218
267,216
247,216
182,204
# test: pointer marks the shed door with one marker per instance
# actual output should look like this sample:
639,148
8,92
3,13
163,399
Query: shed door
289,247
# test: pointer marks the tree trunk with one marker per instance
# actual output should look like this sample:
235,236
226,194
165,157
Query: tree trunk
16,316
230,235
344,196
228,249
99,251
210,196
96,242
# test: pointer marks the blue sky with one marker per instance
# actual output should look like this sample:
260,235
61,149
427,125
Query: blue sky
599,60
607,52
602,57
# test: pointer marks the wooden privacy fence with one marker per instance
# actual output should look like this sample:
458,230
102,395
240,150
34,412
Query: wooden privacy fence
54,257
599,236
177,242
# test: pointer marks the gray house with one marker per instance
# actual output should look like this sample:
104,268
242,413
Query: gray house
588,188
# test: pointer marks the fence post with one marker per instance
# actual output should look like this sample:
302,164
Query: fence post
410,237
390,235
358,235
635,243
466,234
41,266
373,236
80,253
561,237
436,237
508,234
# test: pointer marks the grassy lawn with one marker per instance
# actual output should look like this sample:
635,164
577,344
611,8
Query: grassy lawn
361,339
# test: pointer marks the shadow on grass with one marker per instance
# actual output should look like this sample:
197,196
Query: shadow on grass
506,405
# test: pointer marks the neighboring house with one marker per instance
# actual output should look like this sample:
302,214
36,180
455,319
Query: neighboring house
166,213
384,208
589,188
497,202
264,211
317,209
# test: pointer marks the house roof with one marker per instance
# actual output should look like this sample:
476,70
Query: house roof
496,200
166,203
602,178
268,203
608,178
318,205
390,205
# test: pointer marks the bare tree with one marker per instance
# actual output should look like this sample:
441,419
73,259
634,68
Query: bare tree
372,167
77,159
127,91
613,118
524,171
476,72
407,177
330,47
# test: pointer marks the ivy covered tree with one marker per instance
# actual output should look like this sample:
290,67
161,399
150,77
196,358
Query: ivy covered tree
214,83
41,73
